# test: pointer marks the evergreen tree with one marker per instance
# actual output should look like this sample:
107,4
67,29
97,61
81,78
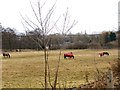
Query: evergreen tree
112,36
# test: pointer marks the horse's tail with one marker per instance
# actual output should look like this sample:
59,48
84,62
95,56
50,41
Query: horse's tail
64,56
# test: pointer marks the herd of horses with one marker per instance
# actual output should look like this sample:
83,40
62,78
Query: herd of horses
5,54
72,56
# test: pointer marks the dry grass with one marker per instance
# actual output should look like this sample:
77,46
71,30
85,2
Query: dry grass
26,69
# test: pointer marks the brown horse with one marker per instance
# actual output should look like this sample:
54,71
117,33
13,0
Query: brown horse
105,53
6,54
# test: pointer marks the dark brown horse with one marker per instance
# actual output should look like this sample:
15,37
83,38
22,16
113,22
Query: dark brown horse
6,54
105,53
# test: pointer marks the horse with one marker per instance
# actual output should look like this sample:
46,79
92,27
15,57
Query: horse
6,54
105,53
100,54
68,55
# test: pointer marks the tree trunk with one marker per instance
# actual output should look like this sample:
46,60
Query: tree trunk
45,68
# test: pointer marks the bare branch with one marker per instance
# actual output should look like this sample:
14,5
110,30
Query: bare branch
65,20
41,22
33,23
66,27
53,25
27,22
49,77
50,12
73,24
43,4
56,75
35,13
58,29
48,71
32,38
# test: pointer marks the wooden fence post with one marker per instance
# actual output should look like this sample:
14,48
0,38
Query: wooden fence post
109,79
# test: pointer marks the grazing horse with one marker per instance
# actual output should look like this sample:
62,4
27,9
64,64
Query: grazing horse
105,53
100,54
68,55
6,54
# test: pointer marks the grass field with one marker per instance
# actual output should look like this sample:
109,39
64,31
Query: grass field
26,69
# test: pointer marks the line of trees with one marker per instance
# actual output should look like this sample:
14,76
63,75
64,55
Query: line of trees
12,41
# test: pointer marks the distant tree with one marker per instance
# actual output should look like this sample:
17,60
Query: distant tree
112,36
106,38
55,41
9,39
22,41
94,37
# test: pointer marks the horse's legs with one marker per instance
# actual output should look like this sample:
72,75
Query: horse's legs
73,57
64,56
9,56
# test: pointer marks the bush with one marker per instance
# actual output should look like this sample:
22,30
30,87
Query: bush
77,46
54,47
94,46
113,44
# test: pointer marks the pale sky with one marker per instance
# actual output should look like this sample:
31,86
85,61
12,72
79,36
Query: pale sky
94,16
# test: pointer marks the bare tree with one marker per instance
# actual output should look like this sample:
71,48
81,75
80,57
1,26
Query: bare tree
43,26
67,26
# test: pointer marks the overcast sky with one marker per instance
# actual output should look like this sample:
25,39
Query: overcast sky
94,16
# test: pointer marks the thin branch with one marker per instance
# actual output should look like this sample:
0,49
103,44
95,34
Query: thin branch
33,23
49,77
53,25
48,71
73,24
27,22
40,16
33,38
43,4
56,75
35,13
58,29
65,20
66,24
50,12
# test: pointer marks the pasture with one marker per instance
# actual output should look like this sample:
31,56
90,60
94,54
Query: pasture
26,69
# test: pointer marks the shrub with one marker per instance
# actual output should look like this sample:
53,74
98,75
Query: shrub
54,47
77,46
94,46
